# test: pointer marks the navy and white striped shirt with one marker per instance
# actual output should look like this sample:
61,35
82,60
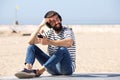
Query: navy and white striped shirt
65,33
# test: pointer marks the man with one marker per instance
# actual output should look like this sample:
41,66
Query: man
61,49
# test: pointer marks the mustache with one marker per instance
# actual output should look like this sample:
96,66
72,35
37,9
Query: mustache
57,24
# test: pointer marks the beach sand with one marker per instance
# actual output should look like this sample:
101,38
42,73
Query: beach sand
98,49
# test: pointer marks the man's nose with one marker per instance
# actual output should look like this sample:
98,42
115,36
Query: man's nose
58,21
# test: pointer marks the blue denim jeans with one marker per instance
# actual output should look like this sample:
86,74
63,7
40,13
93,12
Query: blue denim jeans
58,64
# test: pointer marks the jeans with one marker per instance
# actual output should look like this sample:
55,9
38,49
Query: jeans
58,64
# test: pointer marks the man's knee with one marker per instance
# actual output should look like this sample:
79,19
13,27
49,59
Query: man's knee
63,49
31,46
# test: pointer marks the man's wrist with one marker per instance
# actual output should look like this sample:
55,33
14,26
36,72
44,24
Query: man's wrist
41,25
49,42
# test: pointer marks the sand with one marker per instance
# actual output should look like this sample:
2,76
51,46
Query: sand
98,49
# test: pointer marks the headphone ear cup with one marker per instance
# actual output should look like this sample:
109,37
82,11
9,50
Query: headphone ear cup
49,26
60,17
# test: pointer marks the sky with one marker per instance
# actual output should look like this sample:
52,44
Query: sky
75,12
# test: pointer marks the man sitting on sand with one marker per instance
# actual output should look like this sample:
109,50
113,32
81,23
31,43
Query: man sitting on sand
61,49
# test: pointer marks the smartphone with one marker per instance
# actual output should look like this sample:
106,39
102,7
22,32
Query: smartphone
40,36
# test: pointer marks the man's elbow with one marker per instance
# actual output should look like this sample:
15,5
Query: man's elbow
30,42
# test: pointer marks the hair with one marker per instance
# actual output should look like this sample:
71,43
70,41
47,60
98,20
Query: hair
51,14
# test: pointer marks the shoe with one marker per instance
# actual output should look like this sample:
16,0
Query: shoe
25,73
36,73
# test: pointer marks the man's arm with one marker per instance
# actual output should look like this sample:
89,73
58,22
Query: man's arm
65,42
33,38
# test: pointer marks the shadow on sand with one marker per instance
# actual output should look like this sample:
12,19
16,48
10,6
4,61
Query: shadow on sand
91,75
78,76
95,75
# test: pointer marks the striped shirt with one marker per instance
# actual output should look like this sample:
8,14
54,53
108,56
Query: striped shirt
65,33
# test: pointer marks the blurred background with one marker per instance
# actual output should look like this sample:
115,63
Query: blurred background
73,12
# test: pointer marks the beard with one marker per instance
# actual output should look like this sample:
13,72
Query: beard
58,27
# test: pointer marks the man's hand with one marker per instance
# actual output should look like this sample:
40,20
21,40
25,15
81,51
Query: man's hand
43,41
44,21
